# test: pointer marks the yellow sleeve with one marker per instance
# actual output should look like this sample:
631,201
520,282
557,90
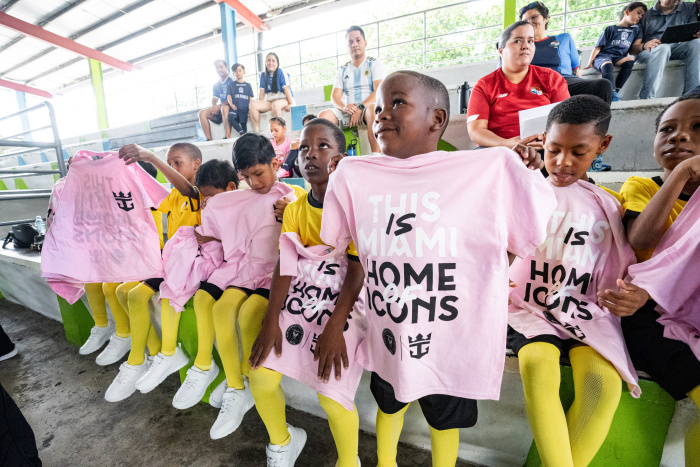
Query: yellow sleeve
613,193
636,193
167,205
298,191
290,218
352,252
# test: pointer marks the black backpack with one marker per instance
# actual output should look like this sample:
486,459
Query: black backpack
23,236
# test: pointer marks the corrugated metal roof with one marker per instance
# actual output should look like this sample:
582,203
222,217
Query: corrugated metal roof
105,25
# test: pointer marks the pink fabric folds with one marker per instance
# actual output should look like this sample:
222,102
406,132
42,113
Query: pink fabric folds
585,252
245,222
672,277
434,249
318,273
186,264
103,230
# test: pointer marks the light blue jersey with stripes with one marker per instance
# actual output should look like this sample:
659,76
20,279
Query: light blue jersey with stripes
357,83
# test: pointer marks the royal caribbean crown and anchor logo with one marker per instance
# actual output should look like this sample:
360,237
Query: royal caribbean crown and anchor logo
124,200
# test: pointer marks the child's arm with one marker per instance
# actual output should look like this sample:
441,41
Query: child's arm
330,349
594,54
230,102
271,335
626,302
133,152
646,230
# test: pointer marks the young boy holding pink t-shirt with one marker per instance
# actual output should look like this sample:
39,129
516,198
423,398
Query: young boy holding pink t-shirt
435,251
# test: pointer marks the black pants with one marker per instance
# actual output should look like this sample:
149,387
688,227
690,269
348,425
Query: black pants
596,87
17,443
239,121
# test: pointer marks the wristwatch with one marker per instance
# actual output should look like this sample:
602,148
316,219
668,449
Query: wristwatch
361,107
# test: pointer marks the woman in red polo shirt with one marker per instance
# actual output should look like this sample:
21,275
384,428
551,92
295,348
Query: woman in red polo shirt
492,115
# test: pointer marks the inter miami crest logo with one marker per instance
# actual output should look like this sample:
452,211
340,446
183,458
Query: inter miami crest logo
123,201
419,345
389,341
294,334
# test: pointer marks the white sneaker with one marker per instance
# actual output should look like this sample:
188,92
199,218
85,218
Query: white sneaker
123,385
161,368
194,386
115,350
234,405
98,337
286,456
217,395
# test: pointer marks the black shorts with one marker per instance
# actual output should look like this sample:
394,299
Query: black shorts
669,362
154,283
211,289
516,341
216,118
440,411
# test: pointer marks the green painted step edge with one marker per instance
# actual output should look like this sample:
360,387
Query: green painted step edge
327,91
19,184
77,321
639,427
2,185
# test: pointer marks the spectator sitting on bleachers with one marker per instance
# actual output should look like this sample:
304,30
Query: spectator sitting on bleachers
492,115
219,105
612,47
239,95
559,54
650,50
355,86
275,92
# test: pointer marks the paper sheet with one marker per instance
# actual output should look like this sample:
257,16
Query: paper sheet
534,121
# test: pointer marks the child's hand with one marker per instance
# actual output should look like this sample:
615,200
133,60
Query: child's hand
512,285
692,168
133,152
202,239
270,336
279,207
233,107
590,65
355,118
626,302
331,351
287,107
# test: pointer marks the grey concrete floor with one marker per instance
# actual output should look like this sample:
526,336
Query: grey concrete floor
61,393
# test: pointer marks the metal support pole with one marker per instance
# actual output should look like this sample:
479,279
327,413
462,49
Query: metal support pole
260,59
228,33
21,105
59,148
99,91
509,13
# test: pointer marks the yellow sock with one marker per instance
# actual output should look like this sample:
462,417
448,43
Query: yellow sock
539,370
169,324
345,427
250,320
121,318
389,428
444,446
269,402
692,437
140,317
225,313
96,299
203,306
597,389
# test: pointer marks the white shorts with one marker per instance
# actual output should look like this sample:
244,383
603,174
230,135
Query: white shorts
271,97
344,119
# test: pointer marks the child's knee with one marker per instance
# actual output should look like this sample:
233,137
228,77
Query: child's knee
138,296
264,380
109,288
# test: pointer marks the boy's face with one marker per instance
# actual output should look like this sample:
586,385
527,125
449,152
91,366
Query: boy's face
240,73
317,149
678,136
183,163
569,150
277,130
635,16
404,118
221,70
261,177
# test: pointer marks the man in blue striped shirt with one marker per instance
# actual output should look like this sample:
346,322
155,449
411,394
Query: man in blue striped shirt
354,88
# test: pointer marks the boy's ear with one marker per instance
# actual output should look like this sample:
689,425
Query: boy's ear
275,164
335,160
604,144
231,186
197,163
440,119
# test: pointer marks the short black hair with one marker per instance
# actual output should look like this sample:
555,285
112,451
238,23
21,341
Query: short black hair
582,110
279,121
539,6
432,87
149,168
691,95
355,28
216,173
508,32
250,150
338,134
633,6
307,118
189,148
220,60
235,66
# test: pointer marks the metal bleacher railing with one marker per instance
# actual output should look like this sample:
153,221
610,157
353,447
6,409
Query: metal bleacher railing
17,141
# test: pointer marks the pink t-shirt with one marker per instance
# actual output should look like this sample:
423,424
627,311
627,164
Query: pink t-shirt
318,273
434,248
585,252
672,277
281,151
53,200
103,230
245,223
186,264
